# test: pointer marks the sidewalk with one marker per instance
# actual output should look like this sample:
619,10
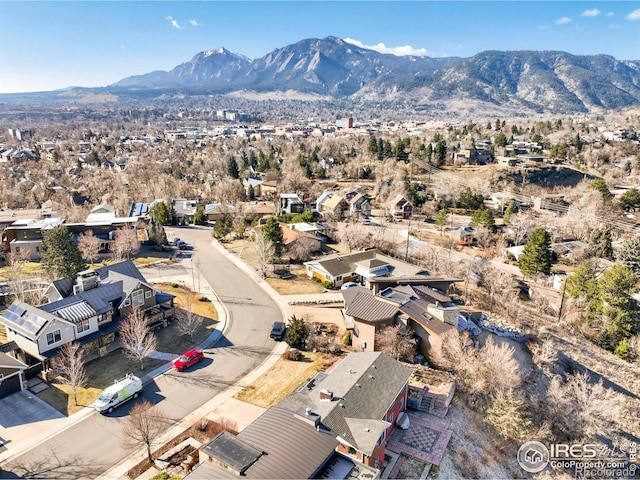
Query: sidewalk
222,404
36,433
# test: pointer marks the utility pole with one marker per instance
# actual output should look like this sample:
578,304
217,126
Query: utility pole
406,252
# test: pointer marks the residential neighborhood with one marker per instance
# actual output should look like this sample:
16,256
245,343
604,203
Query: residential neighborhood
432,294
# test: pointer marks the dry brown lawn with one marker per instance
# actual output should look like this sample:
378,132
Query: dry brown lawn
283,378
3,334
299,284
101,373
29,270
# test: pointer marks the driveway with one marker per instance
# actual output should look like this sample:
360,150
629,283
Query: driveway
20,409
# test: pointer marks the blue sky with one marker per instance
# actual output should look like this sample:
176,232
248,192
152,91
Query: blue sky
51,45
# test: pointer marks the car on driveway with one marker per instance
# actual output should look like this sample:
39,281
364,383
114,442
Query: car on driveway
182,245
348,285
188,359
277,330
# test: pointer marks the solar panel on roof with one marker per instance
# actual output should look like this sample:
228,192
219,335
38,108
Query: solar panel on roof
17,309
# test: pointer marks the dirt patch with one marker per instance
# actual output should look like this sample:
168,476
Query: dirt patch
283,378
411,467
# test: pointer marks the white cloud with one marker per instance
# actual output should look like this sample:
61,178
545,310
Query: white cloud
382,48
633,16
563,21
194,23
594,12
173,23
610,14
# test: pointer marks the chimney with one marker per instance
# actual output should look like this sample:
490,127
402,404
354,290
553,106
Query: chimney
326,395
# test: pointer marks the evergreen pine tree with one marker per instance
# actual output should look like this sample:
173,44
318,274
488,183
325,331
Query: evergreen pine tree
232,168
59,256
629,255
537,255
273,232
297,333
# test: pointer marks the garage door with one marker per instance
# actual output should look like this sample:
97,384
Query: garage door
9,385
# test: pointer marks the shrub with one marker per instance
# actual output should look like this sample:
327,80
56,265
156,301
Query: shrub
203,299
175,285
327,284
346,340
623,350
294,355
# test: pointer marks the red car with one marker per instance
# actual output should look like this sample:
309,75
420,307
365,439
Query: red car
188,359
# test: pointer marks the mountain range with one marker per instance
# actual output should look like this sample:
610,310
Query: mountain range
331,68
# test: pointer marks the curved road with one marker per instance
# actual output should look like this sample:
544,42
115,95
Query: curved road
93,445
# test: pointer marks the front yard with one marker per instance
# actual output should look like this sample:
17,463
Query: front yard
283,378
101,373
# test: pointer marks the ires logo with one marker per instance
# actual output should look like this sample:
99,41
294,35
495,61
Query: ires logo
561,451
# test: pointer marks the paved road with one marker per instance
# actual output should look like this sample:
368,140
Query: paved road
92,446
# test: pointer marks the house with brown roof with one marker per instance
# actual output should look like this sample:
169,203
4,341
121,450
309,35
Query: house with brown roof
282,443
424,309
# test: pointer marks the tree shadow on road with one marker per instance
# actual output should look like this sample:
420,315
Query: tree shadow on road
46,464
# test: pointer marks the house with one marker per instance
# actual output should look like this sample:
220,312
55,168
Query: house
12,378
86,308
269,189
358,402
292,237
400,208
26,235
334,207
463,235
101,213
359,267
360,206
185,209
215,211
290,203
256,183
299,450
426,310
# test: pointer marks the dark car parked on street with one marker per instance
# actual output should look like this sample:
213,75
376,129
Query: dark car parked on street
277,330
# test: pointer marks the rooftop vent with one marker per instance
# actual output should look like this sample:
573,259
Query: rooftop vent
308,416
372,377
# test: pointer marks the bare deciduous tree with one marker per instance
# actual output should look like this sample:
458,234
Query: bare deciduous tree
16,262
187,320
352,235
143,427
138,341
125,244
579,408
301,250
396,341
90,246
266,252
70,366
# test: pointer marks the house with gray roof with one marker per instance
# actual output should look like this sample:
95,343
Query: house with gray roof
86,308
11,375
359,267
358,402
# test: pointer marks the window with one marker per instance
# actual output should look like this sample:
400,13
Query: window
147,294
82,325
338,278
127,302
390,417
402,402
102,317
54,337
382,438
137,297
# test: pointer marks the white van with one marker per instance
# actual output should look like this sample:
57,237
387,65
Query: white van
122,390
